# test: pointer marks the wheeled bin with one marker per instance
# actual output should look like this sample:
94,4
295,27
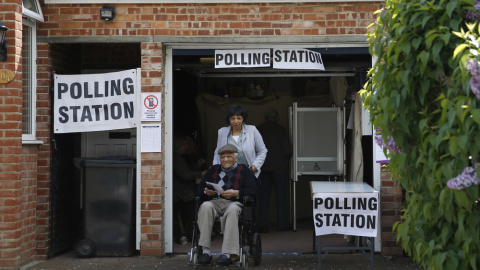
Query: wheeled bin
108,204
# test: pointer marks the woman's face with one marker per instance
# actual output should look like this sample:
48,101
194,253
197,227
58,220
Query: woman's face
236,121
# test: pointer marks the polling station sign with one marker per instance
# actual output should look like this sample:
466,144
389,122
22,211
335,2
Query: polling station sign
297,59
346,213
242,58
95,102
281,58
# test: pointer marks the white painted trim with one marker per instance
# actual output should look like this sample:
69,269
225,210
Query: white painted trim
270,45
138,201
238,46
32,142
168,120
38,16
194,1
367,129
376,186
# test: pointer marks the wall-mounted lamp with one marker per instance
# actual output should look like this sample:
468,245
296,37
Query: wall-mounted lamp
3,43
107,13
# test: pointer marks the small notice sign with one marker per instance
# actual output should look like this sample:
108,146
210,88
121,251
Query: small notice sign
346,213
151,107
151,138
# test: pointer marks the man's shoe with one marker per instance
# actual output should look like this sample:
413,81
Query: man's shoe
263,230
224,260
205,259
234,258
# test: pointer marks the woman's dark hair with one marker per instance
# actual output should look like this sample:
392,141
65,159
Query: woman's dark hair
236,110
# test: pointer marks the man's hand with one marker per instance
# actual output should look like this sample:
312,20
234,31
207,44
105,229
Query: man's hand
229,194
210,192
253,168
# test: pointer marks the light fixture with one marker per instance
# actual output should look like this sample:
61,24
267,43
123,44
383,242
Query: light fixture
3,43
107,13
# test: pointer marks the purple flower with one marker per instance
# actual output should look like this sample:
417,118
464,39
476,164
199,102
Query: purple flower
390,144
475,85
467,178
471,15
472,67
444,79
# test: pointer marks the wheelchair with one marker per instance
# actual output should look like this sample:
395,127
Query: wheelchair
250,241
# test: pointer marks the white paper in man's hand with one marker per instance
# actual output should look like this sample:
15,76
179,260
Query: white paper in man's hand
217,187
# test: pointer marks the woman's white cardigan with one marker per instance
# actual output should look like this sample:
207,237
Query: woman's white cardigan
253,147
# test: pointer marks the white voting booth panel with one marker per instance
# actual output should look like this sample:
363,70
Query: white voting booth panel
319,141
318,144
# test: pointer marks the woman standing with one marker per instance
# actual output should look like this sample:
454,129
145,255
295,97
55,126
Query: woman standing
251,149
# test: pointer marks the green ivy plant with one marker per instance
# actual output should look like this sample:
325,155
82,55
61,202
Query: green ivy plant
419,94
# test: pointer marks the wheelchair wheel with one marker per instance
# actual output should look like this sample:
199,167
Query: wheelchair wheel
194,257
85,248
244,260
257,249
194,254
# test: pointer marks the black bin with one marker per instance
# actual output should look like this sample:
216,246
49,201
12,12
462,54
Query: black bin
108,202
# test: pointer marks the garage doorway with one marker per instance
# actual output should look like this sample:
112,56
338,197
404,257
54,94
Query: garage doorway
202,93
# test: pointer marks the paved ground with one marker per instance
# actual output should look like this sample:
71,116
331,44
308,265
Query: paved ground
269,262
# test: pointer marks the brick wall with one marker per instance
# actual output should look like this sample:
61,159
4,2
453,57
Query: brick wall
231,19
17,164
391,211
28,201
152,189
44,106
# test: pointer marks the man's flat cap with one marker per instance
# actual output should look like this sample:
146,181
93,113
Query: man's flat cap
228,148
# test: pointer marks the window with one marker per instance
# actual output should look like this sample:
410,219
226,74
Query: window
32,9
31,13
29,85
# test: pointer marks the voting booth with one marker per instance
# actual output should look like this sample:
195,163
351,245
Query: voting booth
318,144
349,208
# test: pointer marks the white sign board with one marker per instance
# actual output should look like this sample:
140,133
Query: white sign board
297,59
151,107
151,138
346,213
95,102
242,58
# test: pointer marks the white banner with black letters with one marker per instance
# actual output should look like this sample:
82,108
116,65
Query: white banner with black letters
242,58
346,213
297,59
95,102
282,59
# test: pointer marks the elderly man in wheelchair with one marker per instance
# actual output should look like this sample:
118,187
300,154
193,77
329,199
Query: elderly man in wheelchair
225,190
